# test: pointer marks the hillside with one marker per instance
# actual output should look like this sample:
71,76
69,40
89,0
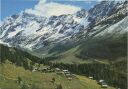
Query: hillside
17,56
37,80
15,76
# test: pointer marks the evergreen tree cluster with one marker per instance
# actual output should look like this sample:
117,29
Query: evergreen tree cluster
108,72
16,56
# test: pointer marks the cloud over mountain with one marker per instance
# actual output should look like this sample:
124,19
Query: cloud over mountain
49,9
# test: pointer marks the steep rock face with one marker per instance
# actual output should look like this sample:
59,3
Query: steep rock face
115,30
112,22
107,8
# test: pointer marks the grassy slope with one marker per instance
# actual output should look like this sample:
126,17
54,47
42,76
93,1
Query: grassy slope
41,80
96,49
69,57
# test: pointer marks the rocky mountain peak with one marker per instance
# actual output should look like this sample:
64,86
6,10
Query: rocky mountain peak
37,32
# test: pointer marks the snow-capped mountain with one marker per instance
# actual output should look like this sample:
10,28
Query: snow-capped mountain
34,32
107,8
27,30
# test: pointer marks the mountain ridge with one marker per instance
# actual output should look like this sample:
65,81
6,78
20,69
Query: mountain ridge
46,35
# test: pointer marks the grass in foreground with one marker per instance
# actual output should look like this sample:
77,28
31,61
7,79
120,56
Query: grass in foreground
9,74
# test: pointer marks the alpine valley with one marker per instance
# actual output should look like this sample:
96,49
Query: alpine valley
89,42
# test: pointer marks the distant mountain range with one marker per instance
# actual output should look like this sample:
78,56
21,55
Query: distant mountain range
57,34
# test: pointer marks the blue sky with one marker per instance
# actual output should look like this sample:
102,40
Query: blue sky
10,7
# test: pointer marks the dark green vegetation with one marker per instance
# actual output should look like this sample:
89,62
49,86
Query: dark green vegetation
16,56
104,48
17,76
102,58
114,73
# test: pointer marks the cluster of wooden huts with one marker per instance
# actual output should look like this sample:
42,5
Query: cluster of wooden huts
67,73
59,71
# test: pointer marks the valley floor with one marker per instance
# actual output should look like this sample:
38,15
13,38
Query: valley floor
11,75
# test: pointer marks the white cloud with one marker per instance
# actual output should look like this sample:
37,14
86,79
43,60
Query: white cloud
49,9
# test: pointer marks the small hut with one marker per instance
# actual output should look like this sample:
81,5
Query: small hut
90,77
57,69
104,85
